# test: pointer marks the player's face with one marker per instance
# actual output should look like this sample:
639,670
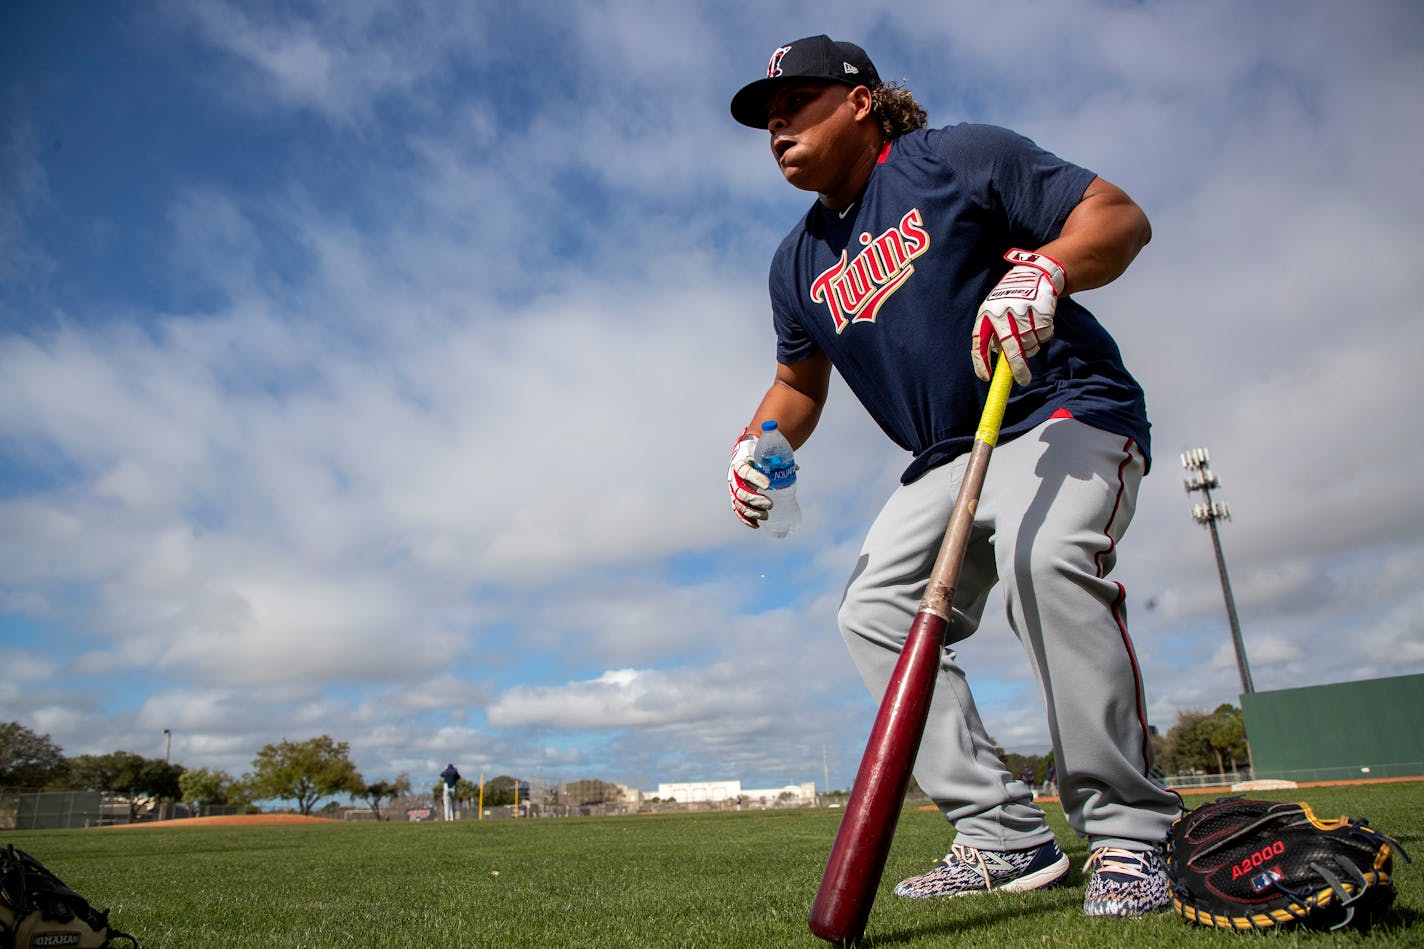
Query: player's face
807,121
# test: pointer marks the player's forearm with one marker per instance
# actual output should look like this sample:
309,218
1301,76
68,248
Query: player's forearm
795,399
1101,237
795,413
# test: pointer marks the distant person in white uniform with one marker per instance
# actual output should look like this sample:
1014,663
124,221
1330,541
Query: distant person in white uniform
451,777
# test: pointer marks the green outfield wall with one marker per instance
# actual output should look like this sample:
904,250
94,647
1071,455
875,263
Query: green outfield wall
1348,730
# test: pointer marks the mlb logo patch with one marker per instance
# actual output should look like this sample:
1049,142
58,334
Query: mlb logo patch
1266,879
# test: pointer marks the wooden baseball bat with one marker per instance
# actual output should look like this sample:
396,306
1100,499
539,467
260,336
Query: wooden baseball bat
862,844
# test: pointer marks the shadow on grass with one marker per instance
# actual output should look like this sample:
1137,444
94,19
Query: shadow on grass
980,921
947,928
1394,922
1400,918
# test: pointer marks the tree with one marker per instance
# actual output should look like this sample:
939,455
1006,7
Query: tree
385,791
502,790
202,787
1185,749
124,774
240,793
1015,763
159,779
1224,732
28,759
305,772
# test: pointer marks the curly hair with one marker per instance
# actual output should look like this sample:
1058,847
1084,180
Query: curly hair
897,111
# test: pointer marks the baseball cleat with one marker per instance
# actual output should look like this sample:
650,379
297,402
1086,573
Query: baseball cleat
967,870
1125,883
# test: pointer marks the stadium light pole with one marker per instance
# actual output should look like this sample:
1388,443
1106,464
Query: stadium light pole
167,746
1197,462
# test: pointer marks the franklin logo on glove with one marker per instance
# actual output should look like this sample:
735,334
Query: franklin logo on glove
1017,315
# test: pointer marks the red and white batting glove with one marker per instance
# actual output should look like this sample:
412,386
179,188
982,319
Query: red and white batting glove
745,483
1017,314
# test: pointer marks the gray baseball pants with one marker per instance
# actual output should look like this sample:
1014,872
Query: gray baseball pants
1055,502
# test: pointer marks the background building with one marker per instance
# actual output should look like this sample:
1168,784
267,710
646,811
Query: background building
732,792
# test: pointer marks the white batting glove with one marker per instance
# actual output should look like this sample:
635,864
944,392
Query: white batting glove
745,483
1017,315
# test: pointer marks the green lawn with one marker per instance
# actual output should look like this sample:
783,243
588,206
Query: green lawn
728,879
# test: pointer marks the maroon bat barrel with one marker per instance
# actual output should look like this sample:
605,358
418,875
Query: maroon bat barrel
857,860
862,845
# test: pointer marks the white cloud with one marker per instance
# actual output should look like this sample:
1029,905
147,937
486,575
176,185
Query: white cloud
359,449
336,60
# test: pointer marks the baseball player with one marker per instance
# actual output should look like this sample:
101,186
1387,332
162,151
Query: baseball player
451,777
927,252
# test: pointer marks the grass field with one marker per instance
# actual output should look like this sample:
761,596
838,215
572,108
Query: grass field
726,879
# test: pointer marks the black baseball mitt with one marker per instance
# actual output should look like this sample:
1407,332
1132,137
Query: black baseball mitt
37,909
1243,864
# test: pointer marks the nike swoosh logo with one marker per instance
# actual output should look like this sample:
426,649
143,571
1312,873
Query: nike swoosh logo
849,208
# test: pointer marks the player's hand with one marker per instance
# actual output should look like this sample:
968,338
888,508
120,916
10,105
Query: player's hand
1017,315
745,483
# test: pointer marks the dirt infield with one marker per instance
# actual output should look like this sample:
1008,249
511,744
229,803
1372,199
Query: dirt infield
1226,789
234,820
1223,789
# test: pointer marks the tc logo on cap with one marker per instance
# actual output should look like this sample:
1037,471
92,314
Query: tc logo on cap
773,68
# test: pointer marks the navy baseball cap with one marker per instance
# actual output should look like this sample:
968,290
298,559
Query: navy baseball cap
815,57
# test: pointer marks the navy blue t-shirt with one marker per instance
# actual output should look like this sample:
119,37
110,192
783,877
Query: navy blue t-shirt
890,292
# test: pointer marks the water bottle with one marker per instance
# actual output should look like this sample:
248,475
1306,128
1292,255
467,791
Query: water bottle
774,459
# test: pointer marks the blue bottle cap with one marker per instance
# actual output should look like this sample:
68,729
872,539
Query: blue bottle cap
768,425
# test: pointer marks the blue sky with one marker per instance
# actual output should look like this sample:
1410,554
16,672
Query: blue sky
370,369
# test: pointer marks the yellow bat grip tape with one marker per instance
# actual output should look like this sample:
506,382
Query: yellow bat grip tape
995,404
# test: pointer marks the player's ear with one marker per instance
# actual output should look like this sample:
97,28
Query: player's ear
862,102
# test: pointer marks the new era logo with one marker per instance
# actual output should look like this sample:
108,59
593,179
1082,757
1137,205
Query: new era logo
850,69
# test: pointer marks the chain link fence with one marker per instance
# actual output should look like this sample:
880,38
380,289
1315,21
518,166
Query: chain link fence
51,810
33,809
